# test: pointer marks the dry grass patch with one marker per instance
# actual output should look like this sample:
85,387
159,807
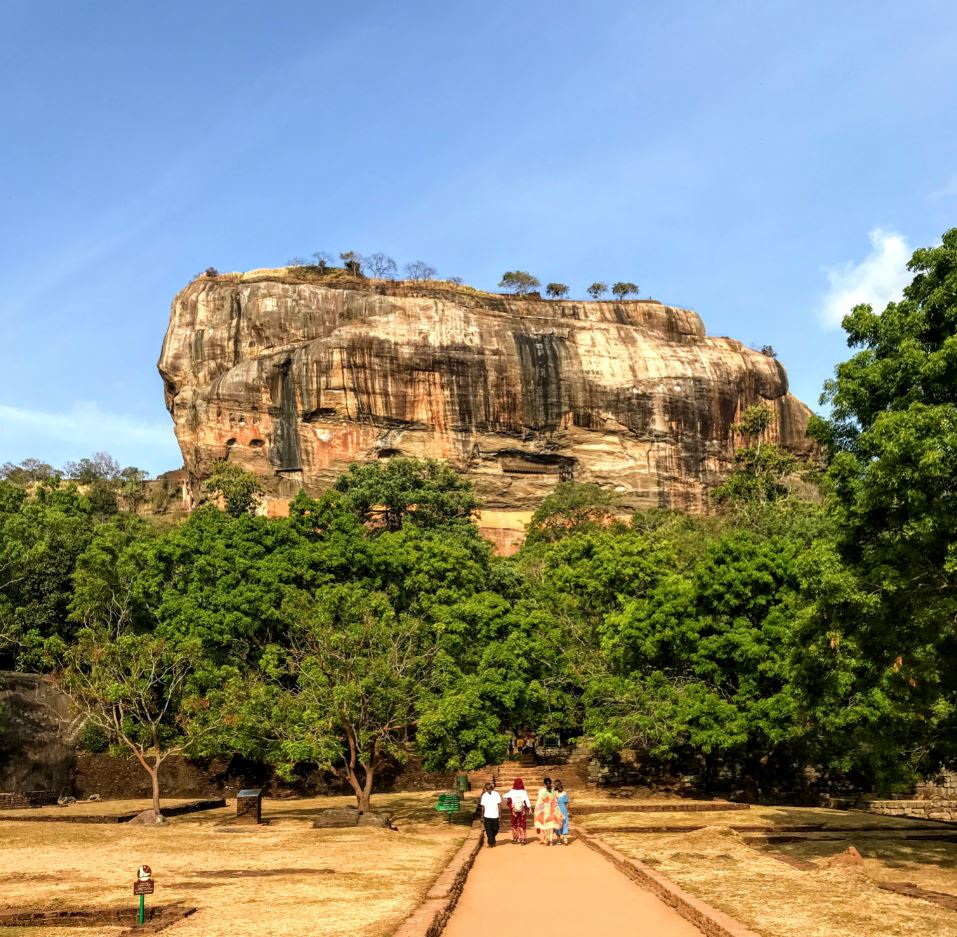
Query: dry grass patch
927,864
280,880
775,900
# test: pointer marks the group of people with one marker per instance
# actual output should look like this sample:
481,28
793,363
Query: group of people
550,812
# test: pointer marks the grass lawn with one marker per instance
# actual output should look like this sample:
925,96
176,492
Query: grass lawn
745,880
270,881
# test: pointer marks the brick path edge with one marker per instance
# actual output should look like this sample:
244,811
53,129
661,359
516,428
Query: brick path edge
429,919
708,920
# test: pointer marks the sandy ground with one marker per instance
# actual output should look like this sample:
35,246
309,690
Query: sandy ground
280,880
581,894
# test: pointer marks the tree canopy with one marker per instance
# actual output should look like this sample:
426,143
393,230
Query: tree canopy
520,282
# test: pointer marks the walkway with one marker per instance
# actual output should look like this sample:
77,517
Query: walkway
589,897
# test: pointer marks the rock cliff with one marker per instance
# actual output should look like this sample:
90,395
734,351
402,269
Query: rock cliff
295,378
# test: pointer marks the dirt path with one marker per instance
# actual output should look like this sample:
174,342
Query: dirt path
590,897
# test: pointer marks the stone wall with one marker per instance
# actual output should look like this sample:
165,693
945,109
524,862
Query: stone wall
919,809
943,787
36,735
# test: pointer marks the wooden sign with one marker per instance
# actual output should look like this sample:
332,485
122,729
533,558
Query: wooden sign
144,888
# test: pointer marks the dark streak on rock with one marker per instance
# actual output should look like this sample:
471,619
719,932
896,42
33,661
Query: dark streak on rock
284,450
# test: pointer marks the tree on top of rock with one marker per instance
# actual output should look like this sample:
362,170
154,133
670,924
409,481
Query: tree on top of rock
352,261
597,289
380,265
556,290
624,288
519,282
419,270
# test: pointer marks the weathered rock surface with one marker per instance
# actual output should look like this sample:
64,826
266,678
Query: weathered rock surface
336,817
37,733
295,380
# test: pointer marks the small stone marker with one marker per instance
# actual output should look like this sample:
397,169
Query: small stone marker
249,806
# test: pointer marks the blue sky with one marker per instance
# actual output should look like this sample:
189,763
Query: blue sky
766,164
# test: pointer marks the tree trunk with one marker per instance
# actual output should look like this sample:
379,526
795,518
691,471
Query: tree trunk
363,790
154,778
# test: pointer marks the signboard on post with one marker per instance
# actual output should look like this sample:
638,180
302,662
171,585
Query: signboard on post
143,886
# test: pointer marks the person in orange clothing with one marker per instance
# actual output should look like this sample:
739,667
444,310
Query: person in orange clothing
548,815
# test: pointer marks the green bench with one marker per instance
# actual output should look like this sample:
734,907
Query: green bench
448,803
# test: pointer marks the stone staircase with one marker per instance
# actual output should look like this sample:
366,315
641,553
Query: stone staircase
573,773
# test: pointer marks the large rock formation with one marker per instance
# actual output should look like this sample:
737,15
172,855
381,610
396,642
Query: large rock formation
296,378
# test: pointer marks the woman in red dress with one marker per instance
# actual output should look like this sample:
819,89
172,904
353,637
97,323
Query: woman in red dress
519,807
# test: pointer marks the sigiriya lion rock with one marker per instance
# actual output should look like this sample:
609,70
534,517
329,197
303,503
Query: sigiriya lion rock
294,377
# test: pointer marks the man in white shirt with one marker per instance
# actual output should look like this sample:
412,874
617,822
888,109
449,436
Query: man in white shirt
491,803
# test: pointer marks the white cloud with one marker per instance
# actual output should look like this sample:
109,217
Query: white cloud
878,279
82,430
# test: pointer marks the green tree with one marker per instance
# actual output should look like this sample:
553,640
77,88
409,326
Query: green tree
238,487
132,487
760,467
26,472
891,445
520,282
101,467
700,663
133,688
556,290
622,288
424,493
572,507
597,289
40,540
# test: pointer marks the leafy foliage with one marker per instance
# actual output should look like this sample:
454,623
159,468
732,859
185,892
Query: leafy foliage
133,689
237,487
892,449
624,288
571,508
520,282
597,289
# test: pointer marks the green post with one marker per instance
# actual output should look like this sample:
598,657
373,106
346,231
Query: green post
142,908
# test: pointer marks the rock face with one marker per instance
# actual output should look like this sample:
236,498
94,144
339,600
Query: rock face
37,732
295,379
